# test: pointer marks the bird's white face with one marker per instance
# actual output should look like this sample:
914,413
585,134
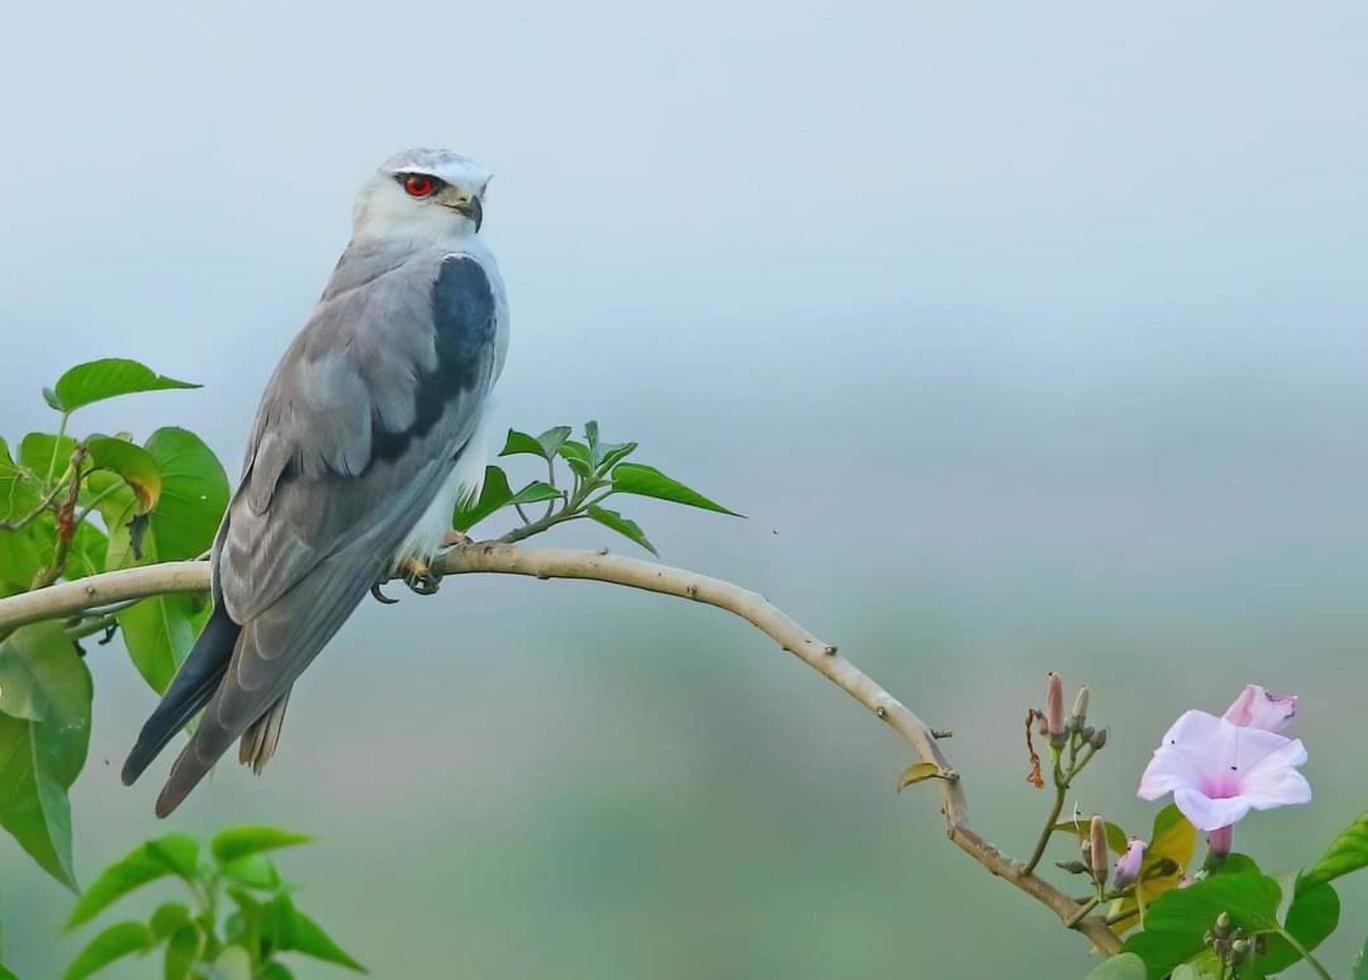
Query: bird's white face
422,195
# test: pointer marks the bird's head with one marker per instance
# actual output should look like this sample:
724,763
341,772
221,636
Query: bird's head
422,195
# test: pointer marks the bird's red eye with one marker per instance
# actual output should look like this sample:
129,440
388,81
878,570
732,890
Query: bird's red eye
418,185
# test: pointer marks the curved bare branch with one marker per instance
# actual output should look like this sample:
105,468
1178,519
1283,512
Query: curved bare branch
68,598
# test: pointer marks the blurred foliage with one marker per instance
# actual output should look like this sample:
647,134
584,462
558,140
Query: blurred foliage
239,920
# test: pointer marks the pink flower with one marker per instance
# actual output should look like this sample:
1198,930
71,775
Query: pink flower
1256,708
1218,771
1128,864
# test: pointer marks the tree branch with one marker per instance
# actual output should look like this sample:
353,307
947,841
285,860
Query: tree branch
546,563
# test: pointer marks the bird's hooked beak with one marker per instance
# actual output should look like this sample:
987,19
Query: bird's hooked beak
472,209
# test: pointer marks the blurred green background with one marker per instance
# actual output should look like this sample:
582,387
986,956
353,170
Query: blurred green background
1028,338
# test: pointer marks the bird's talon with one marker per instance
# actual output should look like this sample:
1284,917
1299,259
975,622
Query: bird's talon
455,539
419,577
380,596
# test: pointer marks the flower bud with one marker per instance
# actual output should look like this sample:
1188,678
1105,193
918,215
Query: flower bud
1222,927
1128,865
1256,708
1240,949
1098,739
1097,838
1079,712
1054,709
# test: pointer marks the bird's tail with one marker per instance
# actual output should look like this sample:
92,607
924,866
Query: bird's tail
191,690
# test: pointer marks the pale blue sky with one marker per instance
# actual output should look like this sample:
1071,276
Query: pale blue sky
1037,333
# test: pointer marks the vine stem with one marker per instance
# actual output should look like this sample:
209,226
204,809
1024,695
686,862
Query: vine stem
500,557
1061,791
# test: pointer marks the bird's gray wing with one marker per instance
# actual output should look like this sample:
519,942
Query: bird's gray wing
358,429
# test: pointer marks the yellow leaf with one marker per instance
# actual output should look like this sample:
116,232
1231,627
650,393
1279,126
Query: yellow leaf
917,773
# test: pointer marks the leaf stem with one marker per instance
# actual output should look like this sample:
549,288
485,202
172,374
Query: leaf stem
1305,954
56,448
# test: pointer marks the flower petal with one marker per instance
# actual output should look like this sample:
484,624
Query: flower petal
1197,749
1273,781
1206,813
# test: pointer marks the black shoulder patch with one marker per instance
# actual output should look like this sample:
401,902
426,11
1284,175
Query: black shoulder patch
463,318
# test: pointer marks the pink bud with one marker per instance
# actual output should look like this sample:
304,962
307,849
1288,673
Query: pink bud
1128,864
1256,708
1220,840
1054,707
1097,845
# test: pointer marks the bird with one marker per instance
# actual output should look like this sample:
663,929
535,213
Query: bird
370,430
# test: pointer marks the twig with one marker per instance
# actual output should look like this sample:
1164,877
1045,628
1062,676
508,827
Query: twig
546,563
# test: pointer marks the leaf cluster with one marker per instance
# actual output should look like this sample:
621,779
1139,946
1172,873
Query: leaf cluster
240,916
597,470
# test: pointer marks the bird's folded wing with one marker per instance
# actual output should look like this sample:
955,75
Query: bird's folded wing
357,428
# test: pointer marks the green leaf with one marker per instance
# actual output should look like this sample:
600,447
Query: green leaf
602,455
20,493
310,939
614,454
552,438
244,926
134,464
194,494
42,752
1311,918
252,870
116,942
1122,966
173,854
521,444
273,971
1176,920
493,495
577,457
1347,852
168,919
86,554
233,963
1082,829
42,450
536,492
24,553
109,377
625,526
647,481
182,950
1235,863
918,772
159,633
238,842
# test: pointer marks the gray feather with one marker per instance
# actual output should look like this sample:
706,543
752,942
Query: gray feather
358,429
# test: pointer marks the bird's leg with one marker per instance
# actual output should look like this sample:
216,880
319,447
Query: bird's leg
418,575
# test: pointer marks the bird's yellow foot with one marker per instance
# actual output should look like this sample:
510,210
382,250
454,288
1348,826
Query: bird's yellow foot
419,576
